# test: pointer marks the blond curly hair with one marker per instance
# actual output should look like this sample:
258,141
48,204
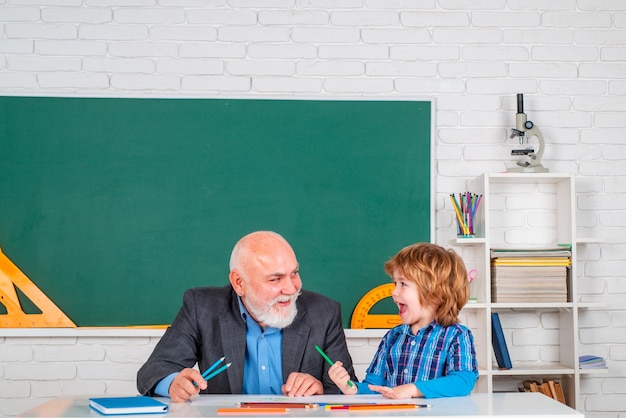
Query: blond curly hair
440,276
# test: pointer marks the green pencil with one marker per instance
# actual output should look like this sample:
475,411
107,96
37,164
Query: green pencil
329,361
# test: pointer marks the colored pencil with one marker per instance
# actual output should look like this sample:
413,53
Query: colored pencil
213,366
459,216
330,406
218,371
291,405
323,354
251,411
374,407
465,210
329,361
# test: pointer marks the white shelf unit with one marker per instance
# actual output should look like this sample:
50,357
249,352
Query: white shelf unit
525,210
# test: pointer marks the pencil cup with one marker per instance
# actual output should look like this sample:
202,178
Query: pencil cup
460,234
465,213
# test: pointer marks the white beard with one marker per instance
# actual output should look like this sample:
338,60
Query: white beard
268,315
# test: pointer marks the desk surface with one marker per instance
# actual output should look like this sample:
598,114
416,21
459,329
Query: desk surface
497,405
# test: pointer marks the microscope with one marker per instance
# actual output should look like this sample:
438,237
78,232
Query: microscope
525,129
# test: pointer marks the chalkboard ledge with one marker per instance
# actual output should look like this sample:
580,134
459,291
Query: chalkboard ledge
116,332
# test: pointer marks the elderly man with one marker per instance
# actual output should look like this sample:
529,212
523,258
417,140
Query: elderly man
262,322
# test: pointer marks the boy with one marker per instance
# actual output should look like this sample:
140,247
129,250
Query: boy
430,354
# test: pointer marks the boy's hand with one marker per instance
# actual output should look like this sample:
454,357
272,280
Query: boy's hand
340,377
399,392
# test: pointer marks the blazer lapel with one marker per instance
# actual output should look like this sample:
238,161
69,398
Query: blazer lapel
295,337
233,332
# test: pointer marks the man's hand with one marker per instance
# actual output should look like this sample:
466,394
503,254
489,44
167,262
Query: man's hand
302,384
399,392
182,387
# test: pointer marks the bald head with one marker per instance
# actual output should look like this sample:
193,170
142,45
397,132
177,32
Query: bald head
257,244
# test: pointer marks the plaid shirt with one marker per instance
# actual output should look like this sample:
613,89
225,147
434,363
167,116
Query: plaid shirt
434,352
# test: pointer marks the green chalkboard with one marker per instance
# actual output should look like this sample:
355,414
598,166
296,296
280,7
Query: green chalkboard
114,207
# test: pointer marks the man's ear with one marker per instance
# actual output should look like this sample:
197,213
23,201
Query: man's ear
236,281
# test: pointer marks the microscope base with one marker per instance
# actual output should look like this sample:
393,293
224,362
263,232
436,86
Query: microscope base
529,169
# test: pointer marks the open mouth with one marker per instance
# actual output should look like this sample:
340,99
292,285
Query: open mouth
402,308
283,304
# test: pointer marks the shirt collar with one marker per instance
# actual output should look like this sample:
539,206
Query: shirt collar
406,328
249,320
242,309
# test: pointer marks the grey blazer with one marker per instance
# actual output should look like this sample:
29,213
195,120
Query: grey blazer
209,326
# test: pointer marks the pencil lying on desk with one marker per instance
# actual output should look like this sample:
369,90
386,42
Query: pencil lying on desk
374,407
251,411
293,405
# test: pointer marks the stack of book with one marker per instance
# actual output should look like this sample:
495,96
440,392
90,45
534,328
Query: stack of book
530,275
548,387
591,362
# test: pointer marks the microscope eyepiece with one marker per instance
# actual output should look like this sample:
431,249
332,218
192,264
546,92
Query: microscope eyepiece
520,103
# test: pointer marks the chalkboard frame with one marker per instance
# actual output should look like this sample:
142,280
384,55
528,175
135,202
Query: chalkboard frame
21,125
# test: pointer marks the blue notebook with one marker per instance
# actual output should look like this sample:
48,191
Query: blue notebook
128,405
499,343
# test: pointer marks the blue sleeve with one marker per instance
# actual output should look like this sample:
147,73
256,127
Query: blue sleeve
163,387
370,379
454,384
375,373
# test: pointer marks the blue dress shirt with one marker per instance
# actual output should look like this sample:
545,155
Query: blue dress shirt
262,372
262,364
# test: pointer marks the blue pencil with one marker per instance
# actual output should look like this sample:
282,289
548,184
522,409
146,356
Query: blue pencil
210,369
218,371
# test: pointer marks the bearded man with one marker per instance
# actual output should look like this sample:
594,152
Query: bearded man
262,323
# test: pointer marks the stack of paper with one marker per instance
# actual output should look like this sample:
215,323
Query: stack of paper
529,283
530,275
591,362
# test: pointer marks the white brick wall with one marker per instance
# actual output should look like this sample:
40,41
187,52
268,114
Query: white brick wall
36,369
567,56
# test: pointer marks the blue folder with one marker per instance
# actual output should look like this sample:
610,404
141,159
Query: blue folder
499,343
128,405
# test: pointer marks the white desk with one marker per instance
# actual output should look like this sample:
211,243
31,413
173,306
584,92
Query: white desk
497,405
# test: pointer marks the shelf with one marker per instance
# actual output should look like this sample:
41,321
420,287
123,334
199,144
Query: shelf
590,305
556,305
475,305
545,306
530,177
537,369
527,210
469,241
594,371
365,333
588,240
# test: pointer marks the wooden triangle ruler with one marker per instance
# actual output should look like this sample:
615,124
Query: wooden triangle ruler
11,278
361,318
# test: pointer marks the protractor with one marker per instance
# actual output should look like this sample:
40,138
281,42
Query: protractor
361,318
